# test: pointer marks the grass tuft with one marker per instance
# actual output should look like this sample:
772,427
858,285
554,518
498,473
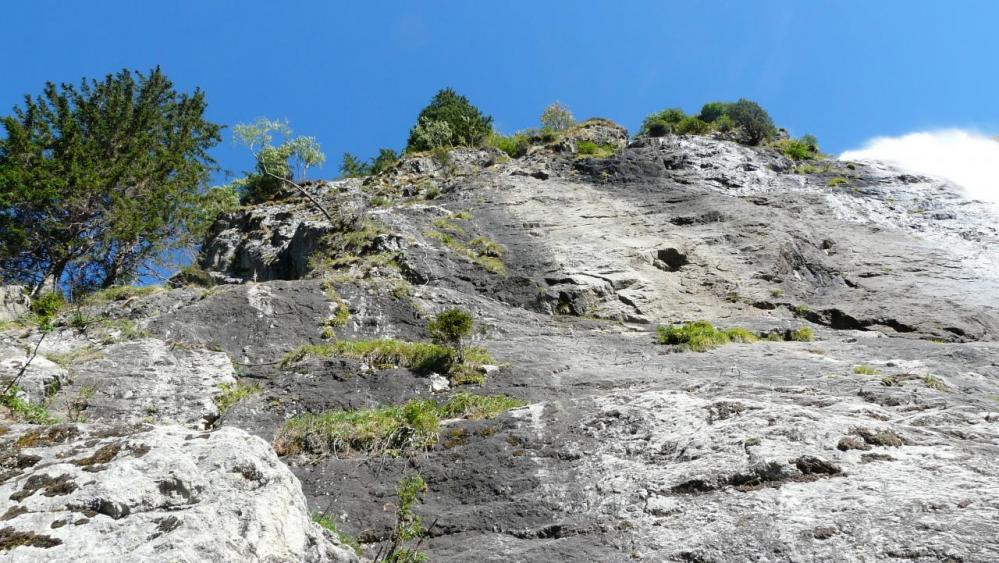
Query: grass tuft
701,336
390,429
326,522
233,393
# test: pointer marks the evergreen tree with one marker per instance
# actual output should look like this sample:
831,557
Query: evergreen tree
468,126
99,181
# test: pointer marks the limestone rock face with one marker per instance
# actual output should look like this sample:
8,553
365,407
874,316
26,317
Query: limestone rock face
873,436
151,380
13,302
145,493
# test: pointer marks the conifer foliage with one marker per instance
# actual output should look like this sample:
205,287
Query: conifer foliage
97,181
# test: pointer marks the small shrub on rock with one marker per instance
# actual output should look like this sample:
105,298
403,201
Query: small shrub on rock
450,327
662,123
515,145
692,126
557,117
754,123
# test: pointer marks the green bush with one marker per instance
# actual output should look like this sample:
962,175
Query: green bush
515,145
692,126
701,336
382,353
450,327
805,147
48,305
662,123
467,126
711,111
557,117
21,410
753,122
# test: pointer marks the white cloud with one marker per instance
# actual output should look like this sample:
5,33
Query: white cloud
969,160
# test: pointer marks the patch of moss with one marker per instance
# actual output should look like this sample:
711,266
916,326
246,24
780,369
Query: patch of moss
11,538
104,454
837,181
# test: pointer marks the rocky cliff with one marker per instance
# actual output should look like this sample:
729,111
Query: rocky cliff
871,436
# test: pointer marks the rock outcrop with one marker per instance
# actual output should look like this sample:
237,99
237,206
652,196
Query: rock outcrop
107,492
876,440
14,302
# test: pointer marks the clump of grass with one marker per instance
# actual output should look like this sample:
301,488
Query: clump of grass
934,382
23,410
421,357
806,169
390,429
837,181
342,311
801,310
480,256
382,353
326,522
776,293
75,357
589,148
515,145
233,393
701,336
803,334
864,369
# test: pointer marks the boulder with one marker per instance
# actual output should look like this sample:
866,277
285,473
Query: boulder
14,302
151,493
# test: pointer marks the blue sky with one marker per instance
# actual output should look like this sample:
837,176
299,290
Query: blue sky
355,74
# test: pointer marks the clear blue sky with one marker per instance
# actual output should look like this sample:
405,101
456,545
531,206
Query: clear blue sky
355,74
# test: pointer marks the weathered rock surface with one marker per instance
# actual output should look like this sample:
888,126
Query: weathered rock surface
147,493
13,302
772,451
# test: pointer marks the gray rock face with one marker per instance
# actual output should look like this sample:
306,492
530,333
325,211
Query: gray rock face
876,441
145,493
37,379
150,380
13,302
